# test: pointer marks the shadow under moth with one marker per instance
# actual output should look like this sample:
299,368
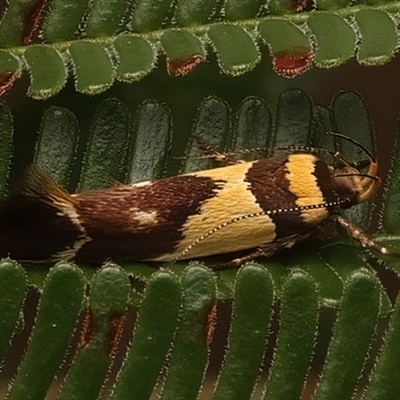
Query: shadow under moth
261,207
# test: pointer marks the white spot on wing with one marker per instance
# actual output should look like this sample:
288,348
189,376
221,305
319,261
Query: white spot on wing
144,218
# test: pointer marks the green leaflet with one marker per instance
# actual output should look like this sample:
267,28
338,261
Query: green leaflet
251,313
58,311
152,142
88,37
352,336
154,332
193,336
49,81
13,290
56,148
91,77
136,57
105,18
298,326
331,53
108,147
109,293
64,19
385,380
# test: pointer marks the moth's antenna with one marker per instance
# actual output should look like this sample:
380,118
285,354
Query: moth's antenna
207,147
362,164
262,149
356,143
228,154
375,178
307,148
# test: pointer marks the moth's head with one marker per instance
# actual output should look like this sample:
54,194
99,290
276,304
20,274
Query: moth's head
352,182
354,185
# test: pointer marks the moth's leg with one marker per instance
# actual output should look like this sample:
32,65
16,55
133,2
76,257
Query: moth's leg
237,262
358,234
266,250
228,158
224,158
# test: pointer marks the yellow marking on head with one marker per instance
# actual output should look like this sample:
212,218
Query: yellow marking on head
303,184
234,199
369,184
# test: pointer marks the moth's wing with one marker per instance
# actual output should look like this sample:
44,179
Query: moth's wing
34,220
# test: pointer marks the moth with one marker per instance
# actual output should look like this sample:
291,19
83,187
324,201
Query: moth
259,207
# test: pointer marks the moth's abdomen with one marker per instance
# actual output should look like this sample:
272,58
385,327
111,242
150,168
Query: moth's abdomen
36,229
